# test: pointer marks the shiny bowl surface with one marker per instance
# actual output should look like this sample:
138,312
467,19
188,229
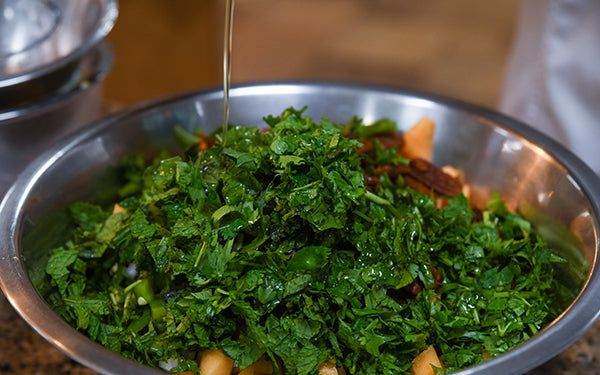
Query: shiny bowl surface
24,25
27,131
42,42
534,174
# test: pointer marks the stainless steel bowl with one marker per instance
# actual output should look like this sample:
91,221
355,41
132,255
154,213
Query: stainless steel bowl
534,174
43,41
28,130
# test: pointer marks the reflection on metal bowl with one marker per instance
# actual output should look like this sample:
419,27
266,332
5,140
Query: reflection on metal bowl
534,174
43,42
28,130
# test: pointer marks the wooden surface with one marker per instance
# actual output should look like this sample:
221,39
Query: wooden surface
456,48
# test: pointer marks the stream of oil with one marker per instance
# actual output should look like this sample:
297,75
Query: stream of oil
227,64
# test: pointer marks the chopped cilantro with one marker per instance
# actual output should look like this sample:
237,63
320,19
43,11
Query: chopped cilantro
276,245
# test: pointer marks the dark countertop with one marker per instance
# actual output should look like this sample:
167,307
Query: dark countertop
24,352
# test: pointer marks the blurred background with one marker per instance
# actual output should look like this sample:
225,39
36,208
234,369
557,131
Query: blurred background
454,48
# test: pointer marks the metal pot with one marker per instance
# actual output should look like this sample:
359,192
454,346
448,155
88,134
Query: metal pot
42,43
28,130
534,174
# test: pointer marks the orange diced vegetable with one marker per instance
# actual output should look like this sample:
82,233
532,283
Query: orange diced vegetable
215,362
425,362
418,140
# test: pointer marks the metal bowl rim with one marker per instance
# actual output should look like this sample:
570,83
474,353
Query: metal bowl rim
101,67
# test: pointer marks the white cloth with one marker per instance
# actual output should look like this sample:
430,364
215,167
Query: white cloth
553,76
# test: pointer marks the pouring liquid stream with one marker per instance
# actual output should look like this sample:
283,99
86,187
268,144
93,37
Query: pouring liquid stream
227,64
